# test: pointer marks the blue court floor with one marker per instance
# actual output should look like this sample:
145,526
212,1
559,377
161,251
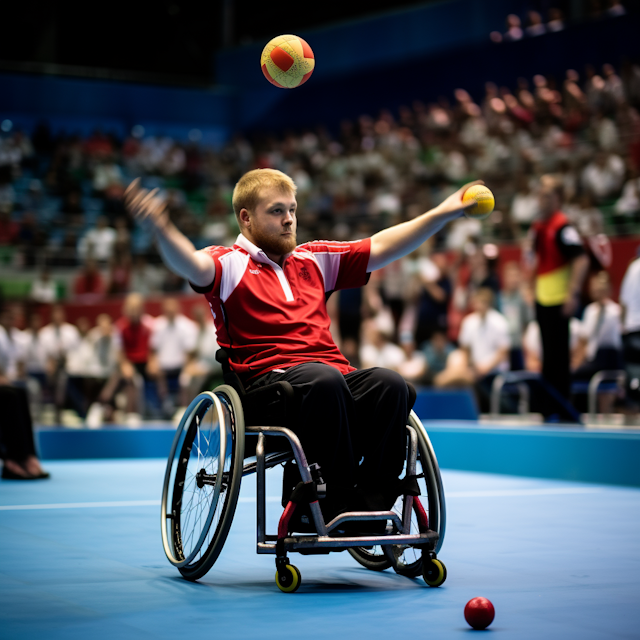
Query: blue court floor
81,557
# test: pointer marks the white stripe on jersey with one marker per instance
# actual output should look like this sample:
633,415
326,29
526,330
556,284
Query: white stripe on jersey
234,264
328,260
329,263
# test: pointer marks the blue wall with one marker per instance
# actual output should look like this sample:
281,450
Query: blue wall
79,105
563,453
362,67
381,41
328,98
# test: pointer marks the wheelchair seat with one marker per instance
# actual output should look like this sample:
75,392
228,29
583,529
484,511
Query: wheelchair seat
270,404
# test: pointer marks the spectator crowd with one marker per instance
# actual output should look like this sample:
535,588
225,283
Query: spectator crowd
150,367
61,195
138,366
443,316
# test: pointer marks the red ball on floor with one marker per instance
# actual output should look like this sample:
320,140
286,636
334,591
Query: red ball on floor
479,613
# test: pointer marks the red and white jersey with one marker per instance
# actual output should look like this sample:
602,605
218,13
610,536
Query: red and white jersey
273,317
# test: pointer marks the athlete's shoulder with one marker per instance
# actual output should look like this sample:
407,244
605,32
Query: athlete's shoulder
216,251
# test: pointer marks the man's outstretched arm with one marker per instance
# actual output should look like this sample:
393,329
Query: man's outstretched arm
177,251
398,241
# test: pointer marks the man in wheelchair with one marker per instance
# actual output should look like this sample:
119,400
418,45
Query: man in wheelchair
268,300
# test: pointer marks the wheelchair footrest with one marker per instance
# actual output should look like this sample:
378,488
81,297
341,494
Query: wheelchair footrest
317,543
355,516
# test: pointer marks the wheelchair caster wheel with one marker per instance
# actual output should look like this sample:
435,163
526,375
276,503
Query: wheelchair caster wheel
288,579
434,572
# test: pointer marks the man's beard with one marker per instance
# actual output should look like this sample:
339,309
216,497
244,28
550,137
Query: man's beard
274,244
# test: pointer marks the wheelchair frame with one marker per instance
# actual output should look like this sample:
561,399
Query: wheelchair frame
428,540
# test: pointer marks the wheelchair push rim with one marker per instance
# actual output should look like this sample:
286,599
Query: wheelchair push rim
437,507
202,481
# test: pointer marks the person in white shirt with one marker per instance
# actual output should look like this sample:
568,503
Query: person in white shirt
11,347
44,289
173,339
601,339
484,349
98,242
603,177
524,207
201,371
600,346
31,361
377,349
102,366
31,349
57,340
630,298
484,335
91,363
629,202
79,368
630,303
80,360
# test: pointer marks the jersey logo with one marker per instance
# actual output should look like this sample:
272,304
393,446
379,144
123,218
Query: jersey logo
304,274
256,272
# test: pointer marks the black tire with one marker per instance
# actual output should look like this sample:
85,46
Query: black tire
435,504
405,559
372,558
195,493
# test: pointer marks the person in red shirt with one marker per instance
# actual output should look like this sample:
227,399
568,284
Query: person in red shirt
89,285
268,300
560,268
9,228
137,362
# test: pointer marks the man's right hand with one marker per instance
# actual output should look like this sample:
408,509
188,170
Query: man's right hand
146,207
177,251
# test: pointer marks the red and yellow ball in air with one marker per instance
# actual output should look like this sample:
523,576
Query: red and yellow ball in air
287,61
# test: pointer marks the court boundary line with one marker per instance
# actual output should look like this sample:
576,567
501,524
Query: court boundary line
488,493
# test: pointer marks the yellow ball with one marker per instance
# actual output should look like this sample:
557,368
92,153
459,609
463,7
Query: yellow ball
484,202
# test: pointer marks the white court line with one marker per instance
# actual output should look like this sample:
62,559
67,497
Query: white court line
491,493
81,505
506,493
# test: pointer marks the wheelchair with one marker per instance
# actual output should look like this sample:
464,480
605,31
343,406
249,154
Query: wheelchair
229,433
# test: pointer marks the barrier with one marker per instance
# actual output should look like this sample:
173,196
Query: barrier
563,453
446,404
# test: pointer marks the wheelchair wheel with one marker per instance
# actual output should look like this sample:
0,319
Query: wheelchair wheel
202,481
372,558
405,559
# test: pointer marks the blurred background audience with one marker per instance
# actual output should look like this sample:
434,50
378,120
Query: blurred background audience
65,239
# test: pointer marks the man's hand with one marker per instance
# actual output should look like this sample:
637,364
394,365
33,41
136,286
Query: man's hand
177,251
146,207
454,201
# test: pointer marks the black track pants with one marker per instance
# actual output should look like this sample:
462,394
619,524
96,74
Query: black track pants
343,419
554,334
